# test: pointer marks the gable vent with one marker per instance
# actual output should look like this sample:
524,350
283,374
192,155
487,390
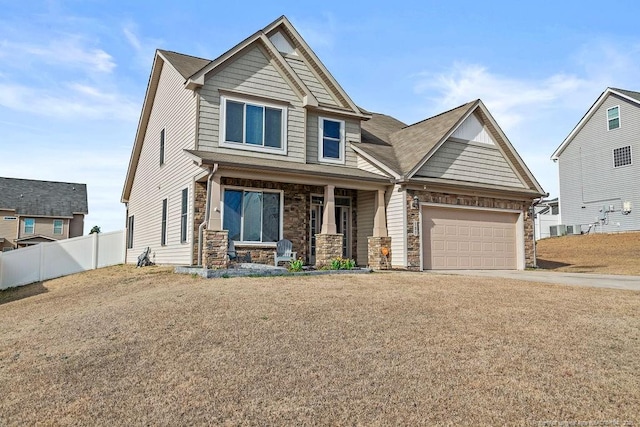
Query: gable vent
282,44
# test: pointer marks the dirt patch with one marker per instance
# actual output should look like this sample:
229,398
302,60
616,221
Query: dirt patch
145,346
591,253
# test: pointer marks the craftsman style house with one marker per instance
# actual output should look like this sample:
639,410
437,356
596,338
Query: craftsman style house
262,144
598,174
33,212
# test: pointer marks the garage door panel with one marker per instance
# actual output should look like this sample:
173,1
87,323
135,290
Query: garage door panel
469,239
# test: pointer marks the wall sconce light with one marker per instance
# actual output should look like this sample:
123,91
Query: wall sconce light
416,202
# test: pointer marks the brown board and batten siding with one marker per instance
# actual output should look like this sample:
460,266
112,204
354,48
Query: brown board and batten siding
253,74
174,109
588,178
397,225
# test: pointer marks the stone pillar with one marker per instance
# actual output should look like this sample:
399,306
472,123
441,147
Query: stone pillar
215,249
380,217
328,247
379,252
329,215
215,219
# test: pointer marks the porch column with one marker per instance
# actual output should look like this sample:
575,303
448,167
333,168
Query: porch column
215,219
329,215
380,218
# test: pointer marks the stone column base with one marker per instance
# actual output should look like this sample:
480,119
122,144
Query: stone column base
214,253
328,247
379,252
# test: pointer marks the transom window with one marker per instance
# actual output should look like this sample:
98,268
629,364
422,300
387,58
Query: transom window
622,156
29,225
252,125
331,140
613,117
252,216
57,226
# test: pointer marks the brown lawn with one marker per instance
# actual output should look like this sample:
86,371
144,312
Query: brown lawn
591,253
126,346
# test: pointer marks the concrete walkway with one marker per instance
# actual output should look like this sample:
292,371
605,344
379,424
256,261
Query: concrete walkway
572,279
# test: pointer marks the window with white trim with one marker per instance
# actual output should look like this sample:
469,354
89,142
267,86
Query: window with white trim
163,235
184,215
252,215
29,225
622,156
162,147
330,140
252,125
130,232
613,117
57,226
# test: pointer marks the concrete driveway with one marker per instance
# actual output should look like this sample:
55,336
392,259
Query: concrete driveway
573,279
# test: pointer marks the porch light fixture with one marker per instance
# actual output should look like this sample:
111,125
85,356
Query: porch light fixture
416,202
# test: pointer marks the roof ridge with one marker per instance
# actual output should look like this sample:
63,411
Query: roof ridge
443,113
43,180
183,54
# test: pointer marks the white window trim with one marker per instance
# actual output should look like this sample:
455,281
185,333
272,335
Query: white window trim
321,158
613,156
25,226
254,189
619,120
244,145
61,227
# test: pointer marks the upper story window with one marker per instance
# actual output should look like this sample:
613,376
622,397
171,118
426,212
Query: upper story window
613,117
331,140
57,226
252,125
162,147
29,225
622,156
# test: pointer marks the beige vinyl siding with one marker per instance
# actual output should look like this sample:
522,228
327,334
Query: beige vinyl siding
397,225
44,227
174,109
311,81
352,134
76,225
252,73
587,174
8,228
471,162
366,211
366,166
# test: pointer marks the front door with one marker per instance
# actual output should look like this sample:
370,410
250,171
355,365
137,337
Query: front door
343,224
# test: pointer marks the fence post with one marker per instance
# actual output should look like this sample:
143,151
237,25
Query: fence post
95,251
1,263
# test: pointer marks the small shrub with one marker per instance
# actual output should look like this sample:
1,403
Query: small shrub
342,264
335,264
296,265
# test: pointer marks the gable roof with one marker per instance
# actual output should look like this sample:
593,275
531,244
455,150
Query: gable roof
375,143
43,198
629,95
186,65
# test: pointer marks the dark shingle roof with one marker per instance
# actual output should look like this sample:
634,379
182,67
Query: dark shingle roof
43,198
185,64
629,93
375,139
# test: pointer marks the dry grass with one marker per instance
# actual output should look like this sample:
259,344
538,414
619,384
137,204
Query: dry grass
591,253
143,346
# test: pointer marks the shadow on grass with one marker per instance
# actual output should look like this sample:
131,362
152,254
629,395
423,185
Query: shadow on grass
15,294
550,265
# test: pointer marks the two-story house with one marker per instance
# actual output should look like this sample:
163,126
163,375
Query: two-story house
597,173
262,143
33,212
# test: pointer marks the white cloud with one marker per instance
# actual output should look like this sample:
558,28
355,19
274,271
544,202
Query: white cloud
144,47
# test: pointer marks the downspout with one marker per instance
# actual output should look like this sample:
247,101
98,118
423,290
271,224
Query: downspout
206,213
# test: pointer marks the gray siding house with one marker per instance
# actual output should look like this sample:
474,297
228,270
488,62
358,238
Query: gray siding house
33,212
262,143
598,174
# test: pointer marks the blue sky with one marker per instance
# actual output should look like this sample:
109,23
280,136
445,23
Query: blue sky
73,73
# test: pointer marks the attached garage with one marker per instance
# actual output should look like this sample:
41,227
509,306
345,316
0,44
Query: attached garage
461,238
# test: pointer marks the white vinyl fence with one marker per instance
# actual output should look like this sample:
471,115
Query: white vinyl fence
49,260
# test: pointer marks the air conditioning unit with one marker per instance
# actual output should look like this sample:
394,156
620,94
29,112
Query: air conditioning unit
574,229
558,230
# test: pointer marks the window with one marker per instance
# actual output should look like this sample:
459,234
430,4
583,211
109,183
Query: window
29,225
130,232
252,216
162,147
252,125
331,140
183,216
622,156
57,226
613,117
163,237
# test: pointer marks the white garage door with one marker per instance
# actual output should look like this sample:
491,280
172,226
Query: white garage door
458,239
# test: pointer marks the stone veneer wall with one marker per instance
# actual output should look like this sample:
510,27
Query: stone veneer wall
199,207
376,259
413,242
328,247
214,254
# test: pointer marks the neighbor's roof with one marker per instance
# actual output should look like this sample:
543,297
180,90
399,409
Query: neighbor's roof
43,198
629,95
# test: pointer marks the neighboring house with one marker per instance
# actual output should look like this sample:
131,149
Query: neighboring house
262,143
33,212
598,174
547,216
